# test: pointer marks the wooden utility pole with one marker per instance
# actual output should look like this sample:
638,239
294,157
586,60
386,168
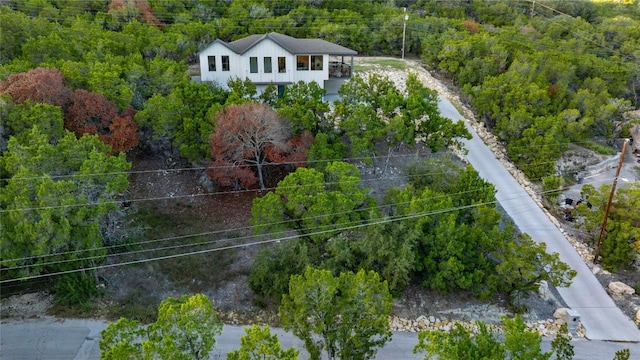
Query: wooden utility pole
606,211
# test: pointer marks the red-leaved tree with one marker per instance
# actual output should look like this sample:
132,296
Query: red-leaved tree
92,113
248,136
123,134
125,8
41,85
84,112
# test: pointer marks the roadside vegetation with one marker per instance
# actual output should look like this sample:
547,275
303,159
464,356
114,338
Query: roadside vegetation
86,88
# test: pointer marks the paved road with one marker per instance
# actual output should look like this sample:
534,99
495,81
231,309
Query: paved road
75,339
599,315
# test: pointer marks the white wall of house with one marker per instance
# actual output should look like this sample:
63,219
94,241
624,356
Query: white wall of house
218,50
240,65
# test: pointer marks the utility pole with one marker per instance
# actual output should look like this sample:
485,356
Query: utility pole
404,28
606,211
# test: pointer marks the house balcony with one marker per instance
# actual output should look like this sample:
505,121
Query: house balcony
339,70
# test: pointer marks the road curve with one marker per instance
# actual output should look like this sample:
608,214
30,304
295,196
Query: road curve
599,315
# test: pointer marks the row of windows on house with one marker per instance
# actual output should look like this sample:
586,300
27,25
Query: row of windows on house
303,62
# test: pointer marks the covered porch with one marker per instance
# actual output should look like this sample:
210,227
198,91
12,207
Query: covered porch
340,66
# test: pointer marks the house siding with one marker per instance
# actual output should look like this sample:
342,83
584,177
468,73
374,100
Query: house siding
240,65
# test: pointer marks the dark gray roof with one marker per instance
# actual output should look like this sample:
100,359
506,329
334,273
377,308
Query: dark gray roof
291,44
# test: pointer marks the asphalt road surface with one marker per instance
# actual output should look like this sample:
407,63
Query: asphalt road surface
599,315
75,339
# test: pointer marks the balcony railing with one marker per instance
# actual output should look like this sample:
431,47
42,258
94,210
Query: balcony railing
339,70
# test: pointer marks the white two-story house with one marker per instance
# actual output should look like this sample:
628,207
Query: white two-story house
278,59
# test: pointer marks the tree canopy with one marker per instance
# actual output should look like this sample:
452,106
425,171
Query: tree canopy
260,344
53,200
621,240
247,136
344,317
519,343
185,329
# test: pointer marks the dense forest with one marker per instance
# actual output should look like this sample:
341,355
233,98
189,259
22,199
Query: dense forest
84,83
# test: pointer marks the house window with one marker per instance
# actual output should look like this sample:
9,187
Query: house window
282,64
225,63
302,62
316,62
267,65
212,63
253,64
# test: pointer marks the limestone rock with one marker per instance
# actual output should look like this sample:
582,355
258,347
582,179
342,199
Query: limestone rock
617,288
560,313
543,290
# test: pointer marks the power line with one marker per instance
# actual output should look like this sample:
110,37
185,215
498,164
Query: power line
261,242
266,225
363,222
186,196
578,35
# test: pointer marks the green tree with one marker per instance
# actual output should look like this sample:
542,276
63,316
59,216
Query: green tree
17,119
372,109
624,354
561,344
343,317
523,263
463,241
53,201
314,203
260,344
522,343
386,247
183,119
303,105
460,343
621,241
241,91
272,268
185,329
519,343
107,78
324,150
451,209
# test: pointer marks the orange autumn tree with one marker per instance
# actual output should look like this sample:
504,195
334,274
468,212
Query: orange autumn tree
247,137
128,9
84,112
92,113
40,85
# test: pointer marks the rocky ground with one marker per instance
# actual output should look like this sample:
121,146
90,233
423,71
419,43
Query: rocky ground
178,194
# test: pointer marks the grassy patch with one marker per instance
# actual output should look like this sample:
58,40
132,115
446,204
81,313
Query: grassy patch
199,272
395,64
138,305
599,148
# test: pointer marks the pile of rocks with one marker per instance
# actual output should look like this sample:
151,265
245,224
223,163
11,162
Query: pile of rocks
546,328
422,323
